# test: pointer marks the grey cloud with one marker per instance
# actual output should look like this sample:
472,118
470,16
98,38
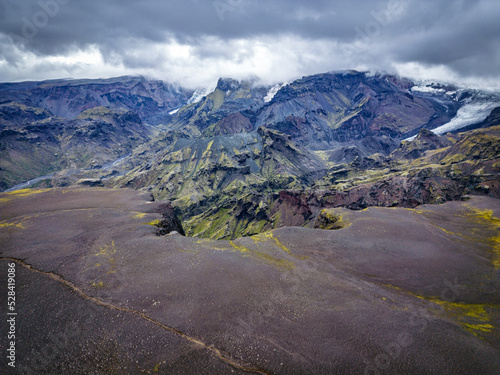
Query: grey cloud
462,35
105,23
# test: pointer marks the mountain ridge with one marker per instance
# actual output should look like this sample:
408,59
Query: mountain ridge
239,150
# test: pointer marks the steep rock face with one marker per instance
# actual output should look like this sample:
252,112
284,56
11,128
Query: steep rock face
425,141
233,124
285,156
476,146
469,166
68,98
169,222
14,115
253,214
226,164
229,98
347,106
366,147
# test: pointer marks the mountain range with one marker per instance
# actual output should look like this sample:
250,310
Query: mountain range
345,222
248,157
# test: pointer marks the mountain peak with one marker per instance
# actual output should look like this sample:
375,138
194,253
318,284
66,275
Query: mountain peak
226,84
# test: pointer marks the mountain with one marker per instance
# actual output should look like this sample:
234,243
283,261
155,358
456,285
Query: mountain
54,125
248,157
244,164
253,229
33,142
69,98
327,108
323,110
228,109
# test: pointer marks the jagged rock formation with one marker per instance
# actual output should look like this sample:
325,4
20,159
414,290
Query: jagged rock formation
467,166
54,125
169,222
349,106
425,141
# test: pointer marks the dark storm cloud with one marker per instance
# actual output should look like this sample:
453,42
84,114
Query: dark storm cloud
108,22
461,35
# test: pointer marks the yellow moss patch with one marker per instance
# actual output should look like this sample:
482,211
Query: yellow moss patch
209,146
448,231
330,219
4,224
24,192
269,259
140,215
479,327
100,284
496,251
280,263
487,219
106,252
264,237
472,317
154,223
157,367
241,249
21,193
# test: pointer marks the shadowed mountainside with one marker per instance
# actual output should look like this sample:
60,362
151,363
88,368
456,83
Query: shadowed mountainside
69,98
29,149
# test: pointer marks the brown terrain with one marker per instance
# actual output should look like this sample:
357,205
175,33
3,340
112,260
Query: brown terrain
106,285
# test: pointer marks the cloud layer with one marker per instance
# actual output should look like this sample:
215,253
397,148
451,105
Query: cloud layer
195,41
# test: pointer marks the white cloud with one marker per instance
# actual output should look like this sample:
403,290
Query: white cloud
192,43
442,73
199,63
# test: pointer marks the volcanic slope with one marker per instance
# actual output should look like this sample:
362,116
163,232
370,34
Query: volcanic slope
120,299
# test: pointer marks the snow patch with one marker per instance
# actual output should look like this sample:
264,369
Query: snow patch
273,91
195,98
428,89
469,114
199,94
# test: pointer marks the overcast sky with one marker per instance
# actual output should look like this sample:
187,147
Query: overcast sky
194,42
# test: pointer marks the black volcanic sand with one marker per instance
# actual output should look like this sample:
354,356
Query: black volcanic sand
396,291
